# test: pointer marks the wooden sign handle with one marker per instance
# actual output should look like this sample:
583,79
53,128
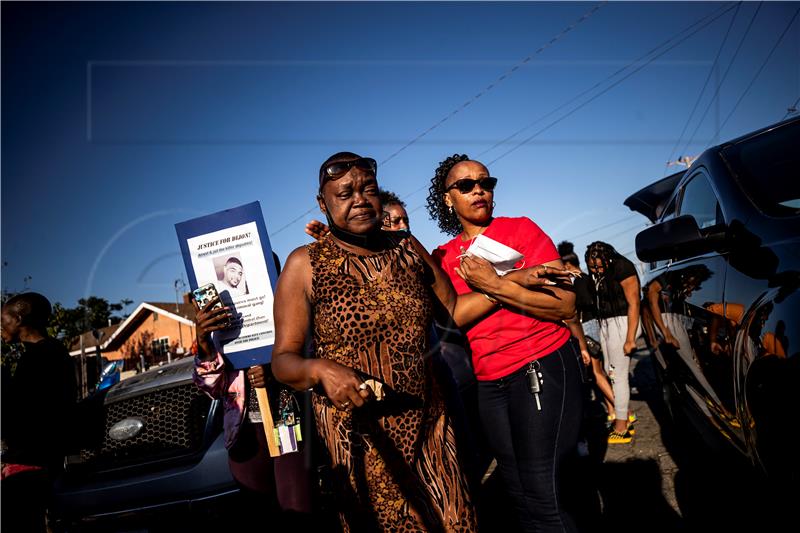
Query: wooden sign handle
266,418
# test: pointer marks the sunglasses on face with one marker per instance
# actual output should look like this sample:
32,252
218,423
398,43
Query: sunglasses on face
337,170
389,221
466,185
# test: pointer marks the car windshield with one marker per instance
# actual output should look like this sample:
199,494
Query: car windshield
767,167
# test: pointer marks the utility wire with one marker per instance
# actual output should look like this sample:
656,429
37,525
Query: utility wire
596,85
792,108
601,227
469,102
584,104
758,73
713,15
627,230
724,77
496,82
703,90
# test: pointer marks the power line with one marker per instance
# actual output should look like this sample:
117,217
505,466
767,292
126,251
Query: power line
623,219
563,117
627,230
792,108
760,69
705,84
300,217
466,104
593,87
496,82
713,16
724,77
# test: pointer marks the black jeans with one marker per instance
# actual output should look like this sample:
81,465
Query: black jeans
531,445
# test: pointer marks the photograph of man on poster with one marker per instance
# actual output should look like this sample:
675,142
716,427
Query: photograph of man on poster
230,275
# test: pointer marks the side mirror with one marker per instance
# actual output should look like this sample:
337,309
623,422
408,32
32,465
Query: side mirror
677,238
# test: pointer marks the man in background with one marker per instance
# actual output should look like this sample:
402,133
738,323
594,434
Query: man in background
38,398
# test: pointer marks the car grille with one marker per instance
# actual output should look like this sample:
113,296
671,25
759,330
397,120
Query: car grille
174,424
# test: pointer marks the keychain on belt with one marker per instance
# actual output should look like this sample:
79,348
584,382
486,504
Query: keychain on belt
535,380
287,428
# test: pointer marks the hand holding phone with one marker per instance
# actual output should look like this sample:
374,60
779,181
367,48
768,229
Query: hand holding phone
203,295
211,316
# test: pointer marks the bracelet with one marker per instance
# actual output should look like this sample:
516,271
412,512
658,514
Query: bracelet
492,299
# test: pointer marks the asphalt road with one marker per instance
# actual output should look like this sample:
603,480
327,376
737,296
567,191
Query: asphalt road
665,480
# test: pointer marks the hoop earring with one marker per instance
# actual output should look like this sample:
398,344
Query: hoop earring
450,209
493,204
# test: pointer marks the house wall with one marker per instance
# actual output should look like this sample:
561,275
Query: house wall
156,326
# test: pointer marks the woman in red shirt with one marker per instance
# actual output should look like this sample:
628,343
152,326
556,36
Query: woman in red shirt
528,370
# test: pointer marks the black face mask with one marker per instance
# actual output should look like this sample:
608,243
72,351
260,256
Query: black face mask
374,240
398,233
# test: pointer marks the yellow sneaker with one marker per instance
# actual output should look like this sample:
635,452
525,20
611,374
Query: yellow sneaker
619,438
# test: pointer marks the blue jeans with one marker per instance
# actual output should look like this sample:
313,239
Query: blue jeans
531,445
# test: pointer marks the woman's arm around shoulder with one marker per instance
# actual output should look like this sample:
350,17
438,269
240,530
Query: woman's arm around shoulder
463,310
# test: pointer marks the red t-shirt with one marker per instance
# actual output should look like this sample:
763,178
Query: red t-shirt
506,340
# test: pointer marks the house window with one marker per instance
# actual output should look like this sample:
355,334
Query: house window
160,347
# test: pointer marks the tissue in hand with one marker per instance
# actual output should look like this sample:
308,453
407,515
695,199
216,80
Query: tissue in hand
502,257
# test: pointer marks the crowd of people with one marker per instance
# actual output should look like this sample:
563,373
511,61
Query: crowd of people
362,315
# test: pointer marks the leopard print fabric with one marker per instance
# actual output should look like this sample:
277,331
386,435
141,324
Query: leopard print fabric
394,461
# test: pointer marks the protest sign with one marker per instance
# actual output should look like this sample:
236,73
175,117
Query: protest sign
231,250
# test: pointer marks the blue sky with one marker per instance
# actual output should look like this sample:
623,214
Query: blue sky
119,120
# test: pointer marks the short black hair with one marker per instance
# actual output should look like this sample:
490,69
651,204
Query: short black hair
390,198
32,308
567,252
234,260
437,208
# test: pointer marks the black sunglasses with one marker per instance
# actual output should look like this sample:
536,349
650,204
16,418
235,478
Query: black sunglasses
389,221
340,168
466,185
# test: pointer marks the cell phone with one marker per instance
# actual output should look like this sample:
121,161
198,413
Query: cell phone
205,294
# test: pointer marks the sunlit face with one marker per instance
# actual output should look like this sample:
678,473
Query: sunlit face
10,326
233,274
352,201
395,218
474,206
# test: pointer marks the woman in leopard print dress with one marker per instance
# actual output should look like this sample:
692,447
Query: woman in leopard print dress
369,298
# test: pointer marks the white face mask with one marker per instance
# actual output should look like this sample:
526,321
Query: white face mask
502,257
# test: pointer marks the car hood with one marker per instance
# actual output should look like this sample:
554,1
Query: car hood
156,378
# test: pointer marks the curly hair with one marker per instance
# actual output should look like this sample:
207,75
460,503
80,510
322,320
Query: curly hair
437,209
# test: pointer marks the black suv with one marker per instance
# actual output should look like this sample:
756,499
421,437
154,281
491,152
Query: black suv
721,306
152,452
